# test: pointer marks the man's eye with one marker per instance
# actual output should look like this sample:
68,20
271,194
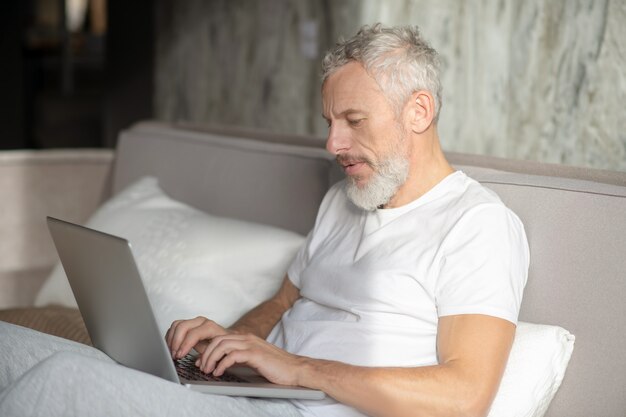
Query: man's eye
355,122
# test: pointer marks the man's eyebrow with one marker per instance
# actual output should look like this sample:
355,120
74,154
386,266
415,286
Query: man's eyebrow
346,112
351,111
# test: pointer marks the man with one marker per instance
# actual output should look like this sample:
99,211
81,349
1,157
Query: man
408,288
403,300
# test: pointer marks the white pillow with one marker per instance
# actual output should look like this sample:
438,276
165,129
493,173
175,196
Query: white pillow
192,263
535,370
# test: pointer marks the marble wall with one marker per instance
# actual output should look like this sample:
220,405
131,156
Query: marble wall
535,79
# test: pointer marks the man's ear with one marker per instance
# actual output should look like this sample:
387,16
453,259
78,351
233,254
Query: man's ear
421,111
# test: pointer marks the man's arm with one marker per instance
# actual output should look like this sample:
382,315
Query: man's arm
261,320
472,351
196,333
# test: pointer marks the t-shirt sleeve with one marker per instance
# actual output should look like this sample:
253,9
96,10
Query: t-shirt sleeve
484,264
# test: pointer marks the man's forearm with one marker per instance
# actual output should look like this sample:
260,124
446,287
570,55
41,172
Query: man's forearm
439,390
472,352
260,320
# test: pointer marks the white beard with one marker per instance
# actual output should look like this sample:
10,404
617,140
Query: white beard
387,178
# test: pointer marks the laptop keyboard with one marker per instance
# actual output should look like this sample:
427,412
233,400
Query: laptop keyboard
187,369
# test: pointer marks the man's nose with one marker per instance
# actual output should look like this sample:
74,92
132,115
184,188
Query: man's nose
337,141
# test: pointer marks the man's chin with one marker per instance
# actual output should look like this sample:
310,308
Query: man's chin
371,191
363,196
357,181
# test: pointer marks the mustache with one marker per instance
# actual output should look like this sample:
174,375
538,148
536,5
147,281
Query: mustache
346,159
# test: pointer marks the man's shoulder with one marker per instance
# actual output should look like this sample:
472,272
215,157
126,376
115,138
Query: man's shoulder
471,194
473,202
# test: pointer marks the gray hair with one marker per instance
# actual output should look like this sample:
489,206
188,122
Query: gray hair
398,59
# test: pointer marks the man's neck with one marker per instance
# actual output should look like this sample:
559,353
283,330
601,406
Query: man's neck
428,167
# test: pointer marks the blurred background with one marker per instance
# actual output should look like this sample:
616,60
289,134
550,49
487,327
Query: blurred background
74,72
540,80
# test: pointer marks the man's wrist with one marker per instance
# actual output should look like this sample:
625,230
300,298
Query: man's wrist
307,372
238,330
316,373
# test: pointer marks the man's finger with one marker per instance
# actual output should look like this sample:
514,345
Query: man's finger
218,348
170,332
181,330
235,357
207,330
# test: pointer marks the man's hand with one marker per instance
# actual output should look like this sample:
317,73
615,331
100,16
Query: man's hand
220,349
243,343
275,364
195,333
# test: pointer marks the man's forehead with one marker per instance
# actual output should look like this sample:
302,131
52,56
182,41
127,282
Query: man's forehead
350,88
353,73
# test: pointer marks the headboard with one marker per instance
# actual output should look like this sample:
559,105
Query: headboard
273,183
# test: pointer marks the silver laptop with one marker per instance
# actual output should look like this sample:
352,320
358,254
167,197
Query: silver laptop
111,297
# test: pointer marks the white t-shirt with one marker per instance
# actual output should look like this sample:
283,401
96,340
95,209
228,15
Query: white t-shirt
374,284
